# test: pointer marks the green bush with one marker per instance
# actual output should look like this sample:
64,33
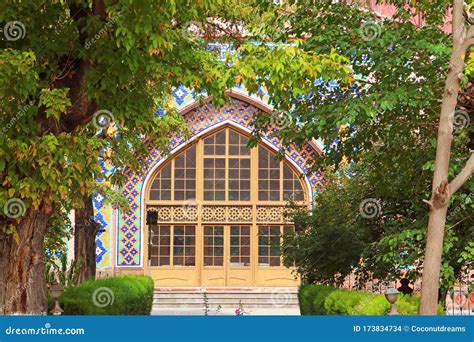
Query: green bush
327,300
408,305
372,305
320,298
124,295
312,297
343,302
306,294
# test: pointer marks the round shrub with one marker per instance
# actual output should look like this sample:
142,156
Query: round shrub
123,295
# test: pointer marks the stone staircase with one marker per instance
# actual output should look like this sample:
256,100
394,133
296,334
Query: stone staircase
225,301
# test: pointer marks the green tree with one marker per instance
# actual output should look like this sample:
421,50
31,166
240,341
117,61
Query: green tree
329,240
363,224
67,64
402,70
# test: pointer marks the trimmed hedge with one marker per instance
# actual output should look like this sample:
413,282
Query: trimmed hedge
328,300
123,295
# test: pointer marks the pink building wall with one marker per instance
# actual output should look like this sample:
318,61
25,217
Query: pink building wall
389,10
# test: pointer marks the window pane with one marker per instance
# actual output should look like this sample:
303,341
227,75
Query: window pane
179,173
185,175
166,172
184,246
161,184
214,178
159,245
239,245
179,161
220,137
268,175
214,238
233,138
239,179
208,150
269,245
292,188
238,144
215,144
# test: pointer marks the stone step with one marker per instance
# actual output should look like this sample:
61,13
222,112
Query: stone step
226,295
223,302
225,305
225,289
169,299
226,300
226,312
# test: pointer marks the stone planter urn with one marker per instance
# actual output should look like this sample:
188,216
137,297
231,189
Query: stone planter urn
56,292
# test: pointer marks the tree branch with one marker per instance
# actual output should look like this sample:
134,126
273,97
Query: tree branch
466,44
458,21
463,176
470,32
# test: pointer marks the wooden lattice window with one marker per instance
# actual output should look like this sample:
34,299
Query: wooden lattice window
268,176
214,179
269,245
239,179
160,241
226,167
161,186
184,245
214,145
213,245
185,175
292,189
238,144
226,164
240,245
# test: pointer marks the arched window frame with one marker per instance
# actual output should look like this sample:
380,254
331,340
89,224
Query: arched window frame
254,180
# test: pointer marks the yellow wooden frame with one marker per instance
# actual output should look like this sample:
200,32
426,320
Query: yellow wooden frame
254,275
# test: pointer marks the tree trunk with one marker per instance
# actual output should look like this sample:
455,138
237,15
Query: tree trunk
432,262
4,251
23,287
440,188
85,233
